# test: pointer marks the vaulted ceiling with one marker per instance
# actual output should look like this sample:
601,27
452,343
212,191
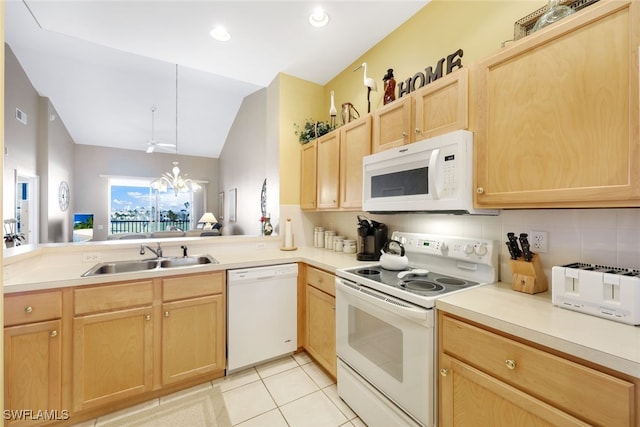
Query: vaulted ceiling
105,64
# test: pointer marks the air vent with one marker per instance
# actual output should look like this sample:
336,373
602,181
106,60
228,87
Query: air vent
21,115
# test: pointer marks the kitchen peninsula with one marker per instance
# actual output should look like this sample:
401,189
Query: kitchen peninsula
600,344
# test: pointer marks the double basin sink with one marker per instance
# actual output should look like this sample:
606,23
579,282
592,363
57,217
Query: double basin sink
148,264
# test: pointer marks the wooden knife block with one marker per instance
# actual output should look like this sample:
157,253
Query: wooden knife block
528,277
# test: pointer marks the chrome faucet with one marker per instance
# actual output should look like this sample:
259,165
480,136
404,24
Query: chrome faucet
157,251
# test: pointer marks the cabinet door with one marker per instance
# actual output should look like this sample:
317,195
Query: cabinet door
557,114
321,328
308,177
442,106
32,369
193,337
392,125
112,356
469,397
355,143
328,170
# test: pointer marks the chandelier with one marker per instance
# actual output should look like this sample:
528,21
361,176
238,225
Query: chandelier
173,179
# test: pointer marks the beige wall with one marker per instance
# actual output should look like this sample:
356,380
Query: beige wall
299,100
478,27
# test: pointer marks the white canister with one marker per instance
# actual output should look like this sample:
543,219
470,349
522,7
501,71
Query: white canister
349,246
328,239
320,239
338,243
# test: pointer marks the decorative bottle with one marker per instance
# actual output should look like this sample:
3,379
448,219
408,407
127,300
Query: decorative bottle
389,87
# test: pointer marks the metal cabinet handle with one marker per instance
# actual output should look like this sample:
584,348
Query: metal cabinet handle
147,317
444,372
511,364
480,190
166,314
28,309
53,334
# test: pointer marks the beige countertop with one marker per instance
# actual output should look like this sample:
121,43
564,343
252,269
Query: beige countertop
48,267
531,317
535,318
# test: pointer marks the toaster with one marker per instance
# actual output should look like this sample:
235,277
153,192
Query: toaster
609,292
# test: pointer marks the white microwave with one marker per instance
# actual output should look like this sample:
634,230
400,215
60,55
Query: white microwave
432,175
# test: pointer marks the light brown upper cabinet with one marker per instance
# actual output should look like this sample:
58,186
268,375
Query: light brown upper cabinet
328,171
355,143
308,179
392,125
557,114
338,167
442,106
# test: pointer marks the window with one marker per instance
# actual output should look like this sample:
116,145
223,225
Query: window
135,208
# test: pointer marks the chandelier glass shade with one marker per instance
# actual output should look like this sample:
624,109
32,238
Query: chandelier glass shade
179,183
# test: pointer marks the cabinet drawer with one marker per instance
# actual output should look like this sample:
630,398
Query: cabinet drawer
112,297
552,379
322,280
29,308
193,286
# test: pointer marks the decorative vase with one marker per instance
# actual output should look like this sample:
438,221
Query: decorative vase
389,87
267,228
555,12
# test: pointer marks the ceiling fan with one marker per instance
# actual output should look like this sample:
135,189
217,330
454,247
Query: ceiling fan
153,143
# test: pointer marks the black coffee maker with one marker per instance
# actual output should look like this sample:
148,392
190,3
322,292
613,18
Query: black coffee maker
372,236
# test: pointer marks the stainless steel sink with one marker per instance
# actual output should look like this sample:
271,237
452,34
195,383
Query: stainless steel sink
116,267
187,261
121,267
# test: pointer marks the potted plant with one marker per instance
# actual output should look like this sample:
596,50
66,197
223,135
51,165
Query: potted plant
11,236
312,130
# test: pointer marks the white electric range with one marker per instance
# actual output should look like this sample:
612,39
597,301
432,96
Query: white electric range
385,325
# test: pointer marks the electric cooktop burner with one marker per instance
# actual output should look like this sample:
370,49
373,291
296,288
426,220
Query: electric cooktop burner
420,285
428,285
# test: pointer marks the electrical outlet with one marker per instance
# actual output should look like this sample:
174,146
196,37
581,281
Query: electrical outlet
91,257
538,241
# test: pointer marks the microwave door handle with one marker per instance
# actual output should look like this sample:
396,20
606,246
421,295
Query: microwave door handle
433,182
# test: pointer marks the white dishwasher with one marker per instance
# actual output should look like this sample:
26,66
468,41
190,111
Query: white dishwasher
262,309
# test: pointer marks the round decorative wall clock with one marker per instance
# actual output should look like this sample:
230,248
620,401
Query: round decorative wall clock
63,196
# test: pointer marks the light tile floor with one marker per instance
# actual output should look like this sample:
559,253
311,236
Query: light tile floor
288,392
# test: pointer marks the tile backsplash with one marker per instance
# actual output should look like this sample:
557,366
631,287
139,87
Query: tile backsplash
600,236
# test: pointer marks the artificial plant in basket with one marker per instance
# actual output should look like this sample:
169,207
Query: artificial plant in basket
311,130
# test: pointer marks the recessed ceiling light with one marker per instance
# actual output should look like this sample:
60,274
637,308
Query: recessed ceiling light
220,33
319,17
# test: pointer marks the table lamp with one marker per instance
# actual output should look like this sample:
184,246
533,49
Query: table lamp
208,219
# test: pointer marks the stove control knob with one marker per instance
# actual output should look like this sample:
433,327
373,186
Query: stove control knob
482,250
443,247
468,249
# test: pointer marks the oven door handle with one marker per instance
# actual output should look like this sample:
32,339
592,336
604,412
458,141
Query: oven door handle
381,300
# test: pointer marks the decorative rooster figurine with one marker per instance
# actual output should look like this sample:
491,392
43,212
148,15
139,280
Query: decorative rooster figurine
369,83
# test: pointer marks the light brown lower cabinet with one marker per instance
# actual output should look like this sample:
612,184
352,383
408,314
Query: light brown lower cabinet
32,376
486,378
131,339
32,358
112,356
320,308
